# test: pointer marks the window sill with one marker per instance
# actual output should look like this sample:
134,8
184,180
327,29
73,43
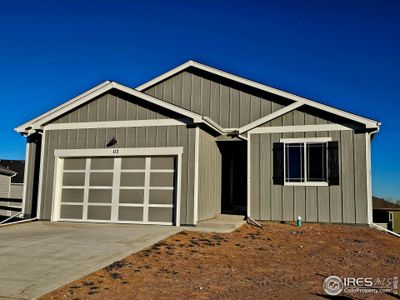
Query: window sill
321,183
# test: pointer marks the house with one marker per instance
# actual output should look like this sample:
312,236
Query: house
6,176
9,188
192,143
17,181
386,214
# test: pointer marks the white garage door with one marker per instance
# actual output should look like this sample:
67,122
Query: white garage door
118,189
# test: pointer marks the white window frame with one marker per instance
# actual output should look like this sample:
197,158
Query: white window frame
390,217
60,154
304,141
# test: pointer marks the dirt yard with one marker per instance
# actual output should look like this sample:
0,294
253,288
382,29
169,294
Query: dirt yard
276,261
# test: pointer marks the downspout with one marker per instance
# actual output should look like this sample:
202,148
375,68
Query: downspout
369,175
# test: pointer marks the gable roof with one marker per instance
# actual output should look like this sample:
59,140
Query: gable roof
40,121
7,172
16,166
369,123
382,204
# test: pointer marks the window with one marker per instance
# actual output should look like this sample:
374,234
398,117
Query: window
306,162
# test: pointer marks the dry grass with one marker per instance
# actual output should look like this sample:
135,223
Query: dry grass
276,261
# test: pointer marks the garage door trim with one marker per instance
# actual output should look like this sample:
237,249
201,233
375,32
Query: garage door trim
61,154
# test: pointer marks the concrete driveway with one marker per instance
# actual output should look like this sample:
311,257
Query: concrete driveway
38,257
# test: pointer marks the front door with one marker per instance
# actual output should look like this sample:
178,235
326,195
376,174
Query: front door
234,177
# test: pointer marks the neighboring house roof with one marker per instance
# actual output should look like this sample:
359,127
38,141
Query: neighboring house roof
382,204
7,172
14,166
368,122
38,122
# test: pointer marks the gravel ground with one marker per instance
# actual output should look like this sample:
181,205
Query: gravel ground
275,261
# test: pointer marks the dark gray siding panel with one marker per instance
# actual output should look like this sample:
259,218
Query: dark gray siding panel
310,116
171,136
229,104
344,203
32,176
114,106
209,200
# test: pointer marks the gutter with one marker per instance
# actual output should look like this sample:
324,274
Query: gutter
380,228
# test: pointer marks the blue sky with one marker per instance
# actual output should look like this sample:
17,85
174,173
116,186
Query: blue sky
343,53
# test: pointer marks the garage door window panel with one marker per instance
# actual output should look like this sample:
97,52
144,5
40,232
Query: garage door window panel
74,179
71,212
162,180
100,196
163,163
96,212
133,163
72,195
101,179
133,214
132,179
161,197
75,164
130,196
102,163
161,214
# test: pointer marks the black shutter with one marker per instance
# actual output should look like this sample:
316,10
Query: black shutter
278,151
333,163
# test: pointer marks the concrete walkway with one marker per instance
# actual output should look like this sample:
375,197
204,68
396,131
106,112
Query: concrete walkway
36,258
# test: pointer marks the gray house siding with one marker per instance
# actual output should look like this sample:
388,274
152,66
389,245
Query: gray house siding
171,136
227,103
5,182
209,199
343,203
16,190
115,106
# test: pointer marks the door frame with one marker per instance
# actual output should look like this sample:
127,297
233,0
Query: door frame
60,154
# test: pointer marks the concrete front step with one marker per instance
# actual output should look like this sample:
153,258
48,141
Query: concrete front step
223,222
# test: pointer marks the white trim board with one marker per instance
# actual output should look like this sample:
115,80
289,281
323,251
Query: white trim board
368,122
306,140
40,121
369,177
117,124
196,177
151,151
41,174
300,128
270,117
26,170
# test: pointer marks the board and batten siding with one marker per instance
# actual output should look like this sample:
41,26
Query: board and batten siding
163,136
209,191
114,106
227,103
5,182
343,203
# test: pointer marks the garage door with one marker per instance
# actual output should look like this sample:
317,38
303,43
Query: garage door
118,189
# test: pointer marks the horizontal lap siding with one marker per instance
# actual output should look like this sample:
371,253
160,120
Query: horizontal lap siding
209,200
171,136
344,203
5,182
230,105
